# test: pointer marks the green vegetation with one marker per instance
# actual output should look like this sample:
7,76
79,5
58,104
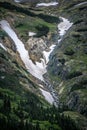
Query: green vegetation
21,117
23,109
42,30
78,118
22,106
69,51
47,18
27,20
68,65
35,25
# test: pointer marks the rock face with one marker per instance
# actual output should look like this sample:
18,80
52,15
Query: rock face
35,47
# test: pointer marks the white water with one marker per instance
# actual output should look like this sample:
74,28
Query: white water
1,45
47,4
47,96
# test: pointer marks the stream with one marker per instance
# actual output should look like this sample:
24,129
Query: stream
39,68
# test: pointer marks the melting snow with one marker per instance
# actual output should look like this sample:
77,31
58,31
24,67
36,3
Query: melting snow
47,54
47,4
36,70
3,46
31,34
47,96
39,68
64,26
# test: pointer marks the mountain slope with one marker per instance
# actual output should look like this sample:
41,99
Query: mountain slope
26,95
68,64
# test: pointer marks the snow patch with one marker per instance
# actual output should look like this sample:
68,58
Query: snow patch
47,96
47,4
47,54
31,34
41,85
64,26
1,45
37,70
18,1
2,77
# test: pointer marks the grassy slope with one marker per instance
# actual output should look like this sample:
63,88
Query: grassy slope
26,20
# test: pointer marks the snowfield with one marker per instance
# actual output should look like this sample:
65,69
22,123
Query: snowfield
36,70
64,26
47,4
47,96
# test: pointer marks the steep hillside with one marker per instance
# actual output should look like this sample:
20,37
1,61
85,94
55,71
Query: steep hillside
43,65
68,63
